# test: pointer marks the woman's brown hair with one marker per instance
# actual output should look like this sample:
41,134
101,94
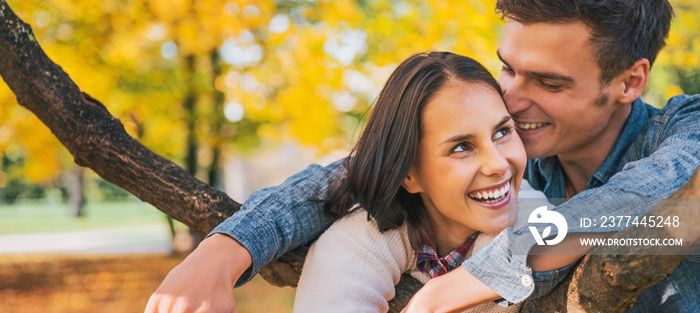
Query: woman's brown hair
387,148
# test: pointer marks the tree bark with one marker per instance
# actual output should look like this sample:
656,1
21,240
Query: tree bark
98,141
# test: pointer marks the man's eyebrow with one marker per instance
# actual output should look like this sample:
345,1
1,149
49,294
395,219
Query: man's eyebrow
466,137
498,53
545,75
552,76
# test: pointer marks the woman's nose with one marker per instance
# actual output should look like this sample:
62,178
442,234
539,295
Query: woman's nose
494,163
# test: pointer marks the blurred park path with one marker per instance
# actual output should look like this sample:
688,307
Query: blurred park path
60,283
149,238
111,269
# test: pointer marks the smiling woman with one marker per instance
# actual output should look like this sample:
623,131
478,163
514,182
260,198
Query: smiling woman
429,181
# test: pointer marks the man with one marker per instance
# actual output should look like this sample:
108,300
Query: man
572,76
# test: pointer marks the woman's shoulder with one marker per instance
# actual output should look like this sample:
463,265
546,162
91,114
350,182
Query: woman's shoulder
359,222
352,267
359,230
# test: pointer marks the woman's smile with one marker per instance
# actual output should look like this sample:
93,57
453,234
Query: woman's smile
470,161
493,197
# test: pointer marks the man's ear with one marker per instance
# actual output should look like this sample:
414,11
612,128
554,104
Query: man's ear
634,80
410,183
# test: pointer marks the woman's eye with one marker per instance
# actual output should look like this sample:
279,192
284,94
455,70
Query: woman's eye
502,132
461,147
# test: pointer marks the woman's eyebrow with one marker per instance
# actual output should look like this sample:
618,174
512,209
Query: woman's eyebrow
458,138
503,121
466,137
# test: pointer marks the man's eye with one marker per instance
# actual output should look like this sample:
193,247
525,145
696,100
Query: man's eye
550,87
507,69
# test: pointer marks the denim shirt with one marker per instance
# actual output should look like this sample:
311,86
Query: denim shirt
656,153
664,143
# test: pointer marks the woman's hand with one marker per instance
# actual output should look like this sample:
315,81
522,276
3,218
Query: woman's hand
455,291
204,281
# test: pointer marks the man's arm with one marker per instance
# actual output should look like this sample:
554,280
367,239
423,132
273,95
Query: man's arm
275,220
662,159
204,280
271,222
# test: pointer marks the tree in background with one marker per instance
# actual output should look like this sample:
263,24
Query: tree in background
275,84
197,81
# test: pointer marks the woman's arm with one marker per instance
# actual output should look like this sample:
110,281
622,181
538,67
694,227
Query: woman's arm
455,291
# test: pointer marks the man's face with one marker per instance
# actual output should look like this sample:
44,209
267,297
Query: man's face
551,86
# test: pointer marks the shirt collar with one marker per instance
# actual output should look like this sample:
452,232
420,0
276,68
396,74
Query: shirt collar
428,261
545,174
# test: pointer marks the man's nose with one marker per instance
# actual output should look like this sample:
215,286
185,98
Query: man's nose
515,95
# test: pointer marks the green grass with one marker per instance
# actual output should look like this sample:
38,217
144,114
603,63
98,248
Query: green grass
42,216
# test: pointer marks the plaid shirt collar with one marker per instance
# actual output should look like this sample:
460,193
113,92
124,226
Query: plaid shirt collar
429,262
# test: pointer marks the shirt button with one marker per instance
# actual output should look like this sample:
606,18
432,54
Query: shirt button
526,280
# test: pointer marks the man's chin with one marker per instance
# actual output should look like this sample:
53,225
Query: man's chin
534,151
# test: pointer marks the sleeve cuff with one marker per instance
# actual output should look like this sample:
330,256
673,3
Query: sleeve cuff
505,272
546,281
242,228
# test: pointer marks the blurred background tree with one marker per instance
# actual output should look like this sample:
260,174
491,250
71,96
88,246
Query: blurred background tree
200,81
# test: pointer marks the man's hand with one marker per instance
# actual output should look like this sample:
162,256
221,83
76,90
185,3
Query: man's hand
455,291
204,281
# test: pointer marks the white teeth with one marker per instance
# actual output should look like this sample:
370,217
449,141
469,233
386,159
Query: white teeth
528,126
491,195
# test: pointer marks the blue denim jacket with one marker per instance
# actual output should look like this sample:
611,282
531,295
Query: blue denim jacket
663,142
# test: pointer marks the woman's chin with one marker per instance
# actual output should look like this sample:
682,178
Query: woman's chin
497,225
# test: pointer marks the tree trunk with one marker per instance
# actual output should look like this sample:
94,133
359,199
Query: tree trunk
75,179
218,121
191,164
191,155
98,141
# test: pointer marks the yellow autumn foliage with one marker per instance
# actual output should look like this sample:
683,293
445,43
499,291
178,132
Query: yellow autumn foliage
300,70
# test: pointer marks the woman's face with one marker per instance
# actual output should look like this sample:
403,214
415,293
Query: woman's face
470,161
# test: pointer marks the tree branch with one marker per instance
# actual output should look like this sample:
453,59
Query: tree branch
611,283
99,141
95,138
